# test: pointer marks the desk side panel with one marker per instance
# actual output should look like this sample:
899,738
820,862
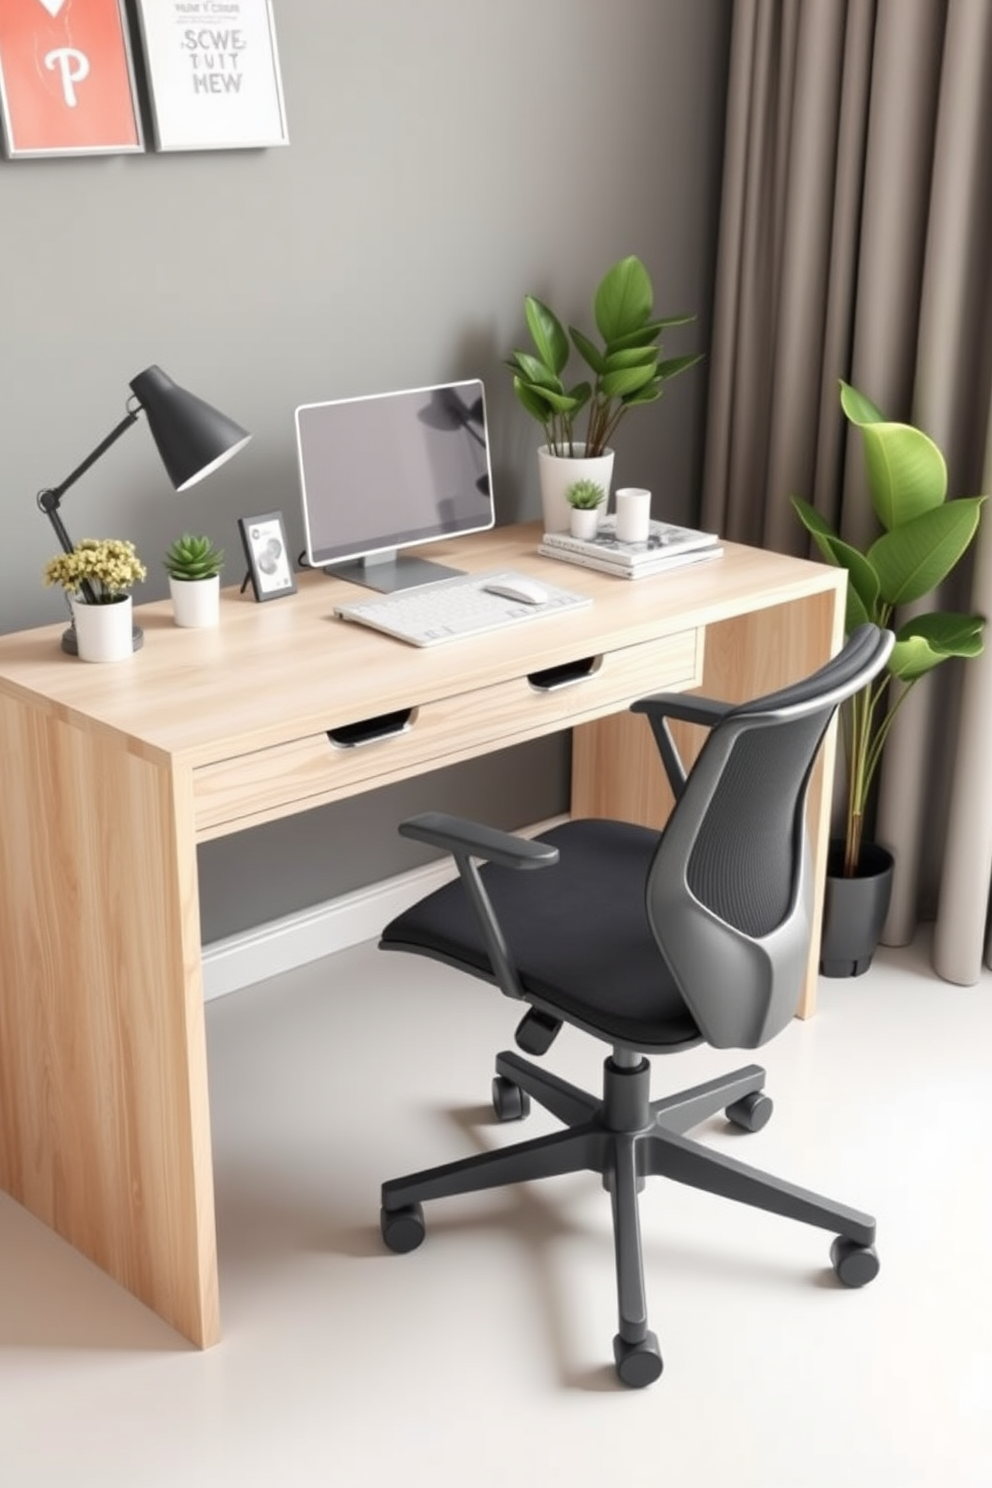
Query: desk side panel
104,1118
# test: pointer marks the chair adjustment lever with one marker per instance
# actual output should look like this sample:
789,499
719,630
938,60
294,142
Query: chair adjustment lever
536,1032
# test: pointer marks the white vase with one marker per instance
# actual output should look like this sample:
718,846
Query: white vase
103,631
195,602
557,472
584,521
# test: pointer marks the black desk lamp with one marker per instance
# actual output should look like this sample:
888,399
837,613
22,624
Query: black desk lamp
192,439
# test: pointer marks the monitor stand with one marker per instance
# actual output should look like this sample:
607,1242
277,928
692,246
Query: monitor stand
388,571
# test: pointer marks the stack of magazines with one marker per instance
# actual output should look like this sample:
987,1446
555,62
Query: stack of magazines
666,547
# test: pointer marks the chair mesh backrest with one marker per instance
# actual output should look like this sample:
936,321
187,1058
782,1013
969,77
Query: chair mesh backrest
745,859
729,893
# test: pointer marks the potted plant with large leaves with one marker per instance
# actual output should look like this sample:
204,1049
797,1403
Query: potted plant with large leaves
922,539
627,369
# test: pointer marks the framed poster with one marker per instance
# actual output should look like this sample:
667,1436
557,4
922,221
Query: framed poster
267,552
66,80
213,74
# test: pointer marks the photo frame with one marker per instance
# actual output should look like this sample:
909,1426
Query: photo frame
67,84
212,74
270,567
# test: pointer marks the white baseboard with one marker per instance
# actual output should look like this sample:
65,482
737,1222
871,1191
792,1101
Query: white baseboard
271,949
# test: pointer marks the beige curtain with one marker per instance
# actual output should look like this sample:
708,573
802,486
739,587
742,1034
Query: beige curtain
856,242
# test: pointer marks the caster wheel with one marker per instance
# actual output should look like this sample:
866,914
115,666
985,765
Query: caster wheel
854,1265
638,1364
751,1112
509,1102
402,1229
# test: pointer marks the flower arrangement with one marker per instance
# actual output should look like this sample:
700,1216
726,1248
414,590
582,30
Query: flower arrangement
108,566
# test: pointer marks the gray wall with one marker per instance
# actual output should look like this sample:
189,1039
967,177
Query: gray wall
446,157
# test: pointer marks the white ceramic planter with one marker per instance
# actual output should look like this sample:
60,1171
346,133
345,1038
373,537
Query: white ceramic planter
557,472
584,521
103,631
195,602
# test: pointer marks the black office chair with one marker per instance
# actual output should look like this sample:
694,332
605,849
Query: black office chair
653,942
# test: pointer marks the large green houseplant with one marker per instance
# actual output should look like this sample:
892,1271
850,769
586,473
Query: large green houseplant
627,368
923,536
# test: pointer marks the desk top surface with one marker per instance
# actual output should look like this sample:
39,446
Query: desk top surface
272,671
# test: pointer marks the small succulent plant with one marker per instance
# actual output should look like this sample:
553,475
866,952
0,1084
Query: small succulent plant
191,557
585,495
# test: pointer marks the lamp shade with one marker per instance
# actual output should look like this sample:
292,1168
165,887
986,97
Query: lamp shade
192,437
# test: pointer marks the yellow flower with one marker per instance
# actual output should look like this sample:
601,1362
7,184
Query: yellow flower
109,563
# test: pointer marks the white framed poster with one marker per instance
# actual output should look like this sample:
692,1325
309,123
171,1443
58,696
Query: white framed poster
213,74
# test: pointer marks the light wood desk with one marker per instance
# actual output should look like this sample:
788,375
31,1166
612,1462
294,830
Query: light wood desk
112,775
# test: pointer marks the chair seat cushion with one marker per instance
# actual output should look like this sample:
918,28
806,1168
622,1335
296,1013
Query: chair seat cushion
578,934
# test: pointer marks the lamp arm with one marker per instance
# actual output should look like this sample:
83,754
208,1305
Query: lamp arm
49,501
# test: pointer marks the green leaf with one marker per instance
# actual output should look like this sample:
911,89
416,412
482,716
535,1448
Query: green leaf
546,333
623,299
856,612
863,586
858,408
633,356
817,526
625,380
649,393
906,471
580,394
927,640
672,366
532,400
535,371
672,320
647,335
913,559
588,351
556,399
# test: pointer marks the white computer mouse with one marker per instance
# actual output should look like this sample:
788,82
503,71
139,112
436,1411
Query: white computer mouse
527,591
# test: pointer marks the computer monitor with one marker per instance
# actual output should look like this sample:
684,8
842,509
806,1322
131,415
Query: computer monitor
391,471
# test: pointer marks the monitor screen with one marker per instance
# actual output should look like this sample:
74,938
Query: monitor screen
393,470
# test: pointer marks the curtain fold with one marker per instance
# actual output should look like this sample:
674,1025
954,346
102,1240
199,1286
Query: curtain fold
855,243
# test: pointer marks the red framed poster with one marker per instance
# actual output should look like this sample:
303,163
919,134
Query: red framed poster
66,80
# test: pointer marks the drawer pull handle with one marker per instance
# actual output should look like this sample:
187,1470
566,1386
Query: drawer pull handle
371,730
566,675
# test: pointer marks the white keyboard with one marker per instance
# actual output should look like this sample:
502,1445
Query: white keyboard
450,609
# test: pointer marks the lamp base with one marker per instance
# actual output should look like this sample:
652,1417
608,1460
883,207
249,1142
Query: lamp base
71,648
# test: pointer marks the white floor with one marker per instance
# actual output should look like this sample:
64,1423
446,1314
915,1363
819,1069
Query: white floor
484,1358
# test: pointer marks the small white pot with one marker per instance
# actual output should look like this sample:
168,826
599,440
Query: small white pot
103,631
557,472
195,602
584,521
633,514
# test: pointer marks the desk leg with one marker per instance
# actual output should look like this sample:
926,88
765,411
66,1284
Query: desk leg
615,767
104,1116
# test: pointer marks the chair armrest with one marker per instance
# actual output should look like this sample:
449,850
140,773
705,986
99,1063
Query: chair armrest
687,709
684,707
461,837
467,840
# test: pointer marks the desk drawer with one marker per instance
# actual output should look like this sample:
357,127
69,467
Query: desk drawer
347,759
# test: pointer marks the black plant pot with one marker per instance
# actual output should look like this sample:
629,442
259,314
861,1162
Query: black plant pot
854,910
